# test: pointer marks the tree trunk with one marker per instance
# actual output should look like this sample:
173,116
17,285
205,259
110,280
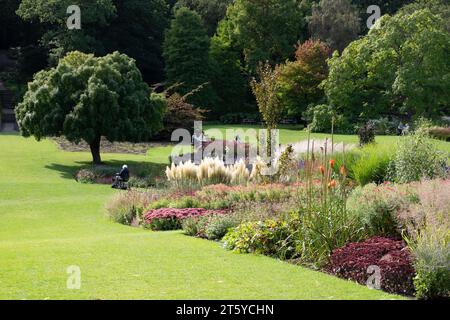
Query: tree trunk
95,150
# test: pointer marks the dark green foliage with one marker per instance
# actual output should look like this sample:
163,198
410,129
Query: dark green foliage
335,22
186,48
386,6
227,78
134,27
270,237
322,117
58,39
366,134
85,98
263,30
138,31
211,11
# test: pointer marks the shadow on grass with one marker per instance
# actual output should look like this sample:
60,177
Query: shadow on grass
109,168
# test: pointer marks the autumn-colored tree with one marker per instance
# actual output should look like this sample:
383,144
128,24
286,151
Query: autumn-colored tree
300,80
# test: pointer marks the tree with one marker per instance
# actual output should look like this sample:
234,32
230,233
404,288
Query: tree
263,30
179,114
266,93
86,98
138,31
95,15
400,68
227,78
386,7
300,79
211,11
134,27
336,22
186,48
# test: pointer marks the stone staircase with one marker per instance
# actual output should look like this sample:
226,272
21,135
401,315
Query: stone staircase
8,117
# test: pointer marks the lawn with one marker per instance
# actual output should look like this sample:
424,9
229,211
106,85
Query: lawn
50,222
290,134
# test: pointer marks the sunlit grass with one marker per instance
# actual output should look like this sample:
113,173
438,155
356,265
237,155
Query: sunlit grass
50,222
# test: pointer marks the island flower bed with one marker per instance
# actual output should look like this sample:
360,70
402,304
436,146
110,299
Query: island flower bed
170,218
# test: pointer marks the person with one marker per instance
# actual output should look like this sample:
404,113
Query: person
197,140
406,130
121,178
400,129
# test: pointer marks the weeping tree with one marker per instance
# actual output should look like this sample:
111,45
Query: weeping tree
86,98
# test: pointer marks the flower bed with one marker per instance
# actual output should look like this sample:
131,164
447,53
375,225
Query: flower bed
171,218
391,256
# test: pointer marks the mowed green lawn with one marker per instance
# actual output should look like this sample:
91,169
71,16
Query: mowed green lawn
49,222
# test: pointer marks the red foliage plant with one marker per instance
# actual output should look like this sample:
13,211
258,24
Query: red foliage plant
391,256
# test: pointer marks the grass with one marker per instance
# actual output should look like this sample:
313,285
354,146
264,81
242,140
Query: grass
289,134
50,222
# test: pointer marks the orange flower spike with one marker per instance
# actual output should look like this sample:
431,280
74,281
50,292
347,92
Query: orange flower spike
322,169
343,171
332,162
332,184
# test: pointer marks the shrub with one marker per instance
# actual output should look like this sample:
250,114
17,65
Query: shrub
428,225
440,133
127,207
171,219
431,250
217,226
377,208
86,176
320,119
394,260
195,226
383,126
366,134
179,114
270,237
417,157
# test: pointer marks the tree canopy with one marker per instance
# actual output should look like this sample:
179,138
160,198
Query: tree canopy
263,30
401,67
300,79
335,22
86,97
186,53
211,11
131,26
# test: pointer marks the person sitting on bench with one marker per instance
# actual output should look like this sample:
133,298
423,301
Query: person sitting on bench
122,177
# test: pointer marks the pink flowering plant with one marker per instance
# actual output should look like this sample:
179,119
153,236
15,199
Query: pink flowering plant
171,218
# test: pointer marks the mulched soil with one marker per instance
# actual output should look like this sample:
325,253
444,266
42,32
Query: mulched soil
108,147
